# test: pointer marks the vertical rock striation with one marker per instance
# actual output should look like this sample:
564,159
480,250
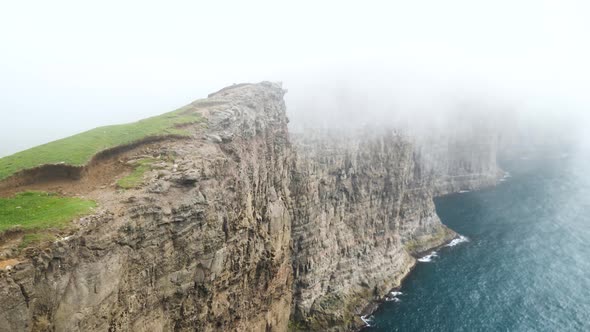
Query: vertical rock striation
241,228
363,204
348,196
204,246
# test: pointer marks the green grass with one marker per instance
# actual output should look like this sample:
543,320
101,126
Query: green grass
79,149
33,238
31,211
135,179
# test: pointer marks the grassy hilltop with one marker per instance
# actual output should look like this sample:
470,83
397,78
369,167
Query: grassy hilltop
79,149
37,214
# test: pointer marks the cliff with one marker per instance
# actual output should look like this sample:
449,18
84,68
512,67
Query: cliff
240,227
363,206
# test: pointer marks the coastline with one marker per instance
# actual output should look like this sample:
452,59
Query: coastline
375,304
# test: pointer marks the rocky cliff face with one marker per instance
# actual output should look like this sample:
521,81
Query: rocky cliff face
242,228
363,205
204,246
349,198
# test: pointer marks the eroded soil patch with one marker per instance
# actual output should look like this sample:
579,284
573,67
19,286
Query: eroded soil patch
101,172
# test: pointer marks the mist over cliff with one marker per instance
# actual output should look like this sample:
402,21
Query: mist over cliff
286,206
521,118
65,71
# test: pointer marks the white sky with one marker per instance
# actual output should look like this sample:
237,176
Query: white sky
67,66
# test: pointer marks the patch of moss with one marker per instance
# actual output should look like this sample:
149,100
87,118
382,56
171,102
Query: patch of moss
417,245
135,179
34,238
295,326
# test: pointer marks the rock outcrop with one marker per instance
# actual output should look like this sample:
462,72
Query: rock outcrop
242,228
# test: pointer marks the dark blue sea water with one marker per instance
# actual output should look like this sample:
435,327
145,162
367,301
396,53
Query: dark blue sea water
526,266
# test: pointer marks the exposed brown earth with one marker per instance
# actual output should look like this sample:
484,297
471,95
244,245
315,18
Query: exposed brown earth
81,180
8,263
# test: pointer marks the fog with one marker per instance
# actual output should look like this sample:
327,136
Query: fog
68,66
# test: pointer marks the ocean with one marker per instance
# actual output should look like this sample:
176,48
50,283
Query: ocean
524,264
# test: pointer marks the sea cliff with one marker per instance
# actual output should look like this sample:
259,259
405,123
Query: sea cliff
242,226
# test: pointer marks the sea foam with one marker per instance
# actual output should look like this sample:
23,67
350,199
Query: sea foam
428,258
367,320
457,241
392,296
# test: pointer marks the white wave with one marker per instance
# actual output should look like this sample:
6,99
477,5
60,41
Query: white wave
428,258
367,320
463,191
392,299
505,177
394,293
457,241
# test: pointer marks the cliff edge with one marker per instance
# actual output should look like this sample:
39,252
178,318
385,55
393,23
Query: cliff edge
236,226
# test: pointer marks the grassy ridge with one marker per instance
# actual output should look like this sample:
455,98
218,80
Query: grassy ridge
39,210
77,150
